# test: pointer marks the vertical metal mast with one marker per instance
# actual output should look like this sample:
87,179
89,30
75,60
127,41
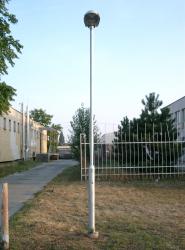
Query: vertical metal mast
91,167
91,20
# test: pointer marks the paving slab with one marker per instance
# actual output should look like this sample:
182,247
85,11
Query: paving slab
23,186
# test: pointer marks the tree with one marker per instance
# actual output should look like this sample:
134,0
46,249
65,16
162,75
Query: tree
81,124
151,104
40,115
154,125
9,48
6,96
53,135
61,138
156,122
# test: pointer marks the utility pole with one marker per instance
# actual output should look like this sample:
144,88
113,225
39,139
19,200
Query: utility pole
27,134
23,132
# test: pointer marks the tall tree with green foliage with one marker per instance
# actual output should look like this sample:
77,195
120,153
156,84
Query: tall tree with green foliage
151,104
81,125
154,125
9,48
6,96
156,122
40,115
61,138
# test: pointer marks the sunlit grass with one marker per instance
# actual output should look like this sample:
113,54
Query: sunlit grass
128,216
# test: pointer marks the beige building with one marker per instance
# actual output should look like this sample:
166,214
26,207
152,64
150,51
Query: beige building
20,137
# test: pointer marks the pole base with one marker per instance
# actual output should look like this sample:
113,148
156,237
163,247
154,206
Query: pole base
93,235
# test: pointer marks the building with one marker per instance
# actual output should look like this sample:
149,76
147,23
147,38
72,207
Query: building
106,142
107,138
20,136
65,151
177,110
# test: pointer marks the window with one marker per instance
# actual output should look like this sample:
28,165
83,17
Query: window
18,128
177,117
183,118
14,126
10,125
183,115
4,123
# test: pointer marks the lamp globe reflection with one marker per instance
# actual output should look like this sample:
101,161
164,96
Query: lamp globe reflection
91,19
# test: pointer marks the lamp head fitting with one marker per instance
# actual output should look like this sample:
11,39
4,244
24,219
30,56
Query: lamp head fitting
91,19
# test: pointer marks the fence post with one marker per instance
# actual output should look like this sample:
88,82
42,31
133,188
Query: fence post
5,217
85,157
81,156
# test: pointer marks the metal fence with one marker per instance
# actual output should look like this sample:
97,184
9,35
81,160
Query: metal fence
134,159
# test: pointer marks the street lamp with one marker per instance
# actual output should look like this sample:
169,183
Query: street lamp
91,20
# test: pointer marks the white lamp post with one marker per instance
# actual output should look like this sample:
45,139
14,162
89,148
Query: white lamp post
91,20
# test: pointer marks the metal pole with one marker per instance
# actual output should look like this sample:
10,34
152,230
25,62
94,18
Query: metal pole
28,133
5,217
91,20
23,132
91,202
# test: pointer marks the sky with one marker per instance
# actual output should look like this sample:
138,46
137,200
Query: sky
139,48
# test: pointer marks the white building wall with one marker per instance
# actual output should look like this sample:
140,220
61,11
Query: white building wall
177,109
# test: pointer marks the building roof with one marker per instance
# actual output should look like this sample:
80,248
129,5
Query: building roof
175,101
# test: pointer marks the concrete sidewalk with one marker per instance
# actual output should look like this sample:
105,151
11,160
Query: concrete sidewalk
23,186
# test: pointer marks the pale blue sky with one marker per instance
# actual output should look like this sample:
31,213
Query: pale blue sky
139,48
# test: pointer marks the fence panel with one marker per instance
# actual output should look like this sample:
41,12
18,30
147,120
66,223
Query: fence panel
135,159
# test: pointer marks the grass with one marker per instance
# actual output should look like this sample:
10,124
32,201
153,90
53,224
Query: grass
133,216
17,167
